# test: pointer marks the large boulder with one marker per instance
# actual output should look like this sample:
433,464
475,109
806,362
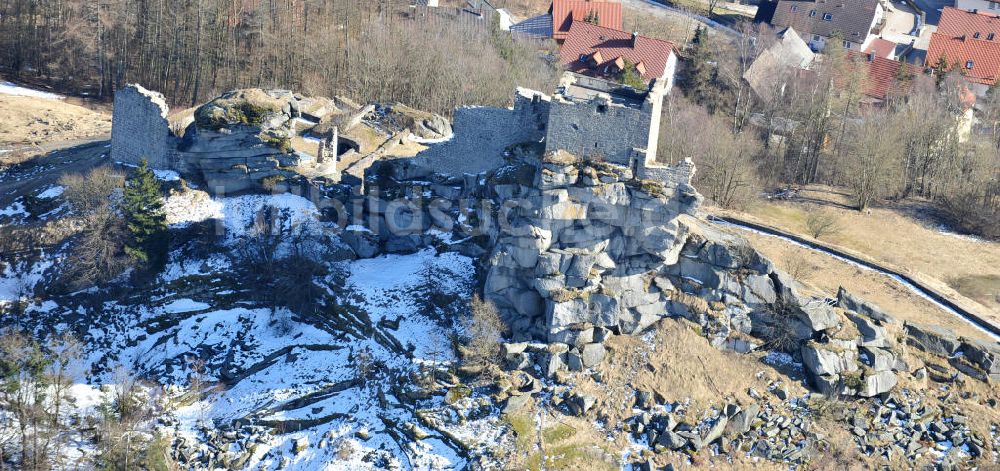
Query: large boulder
363,242
421,124
851,302
985,355
592,354
932,339
247,107
872,334
827,359
817,314
877,383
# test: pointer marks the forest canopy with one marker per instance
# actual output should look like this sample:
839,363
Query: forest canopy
191,50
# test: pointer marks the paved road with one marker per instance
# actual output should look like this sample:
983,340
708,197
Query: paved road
35,175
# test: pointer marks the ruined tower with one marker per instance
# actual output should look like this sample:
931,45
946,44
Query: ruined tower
600,119
139,128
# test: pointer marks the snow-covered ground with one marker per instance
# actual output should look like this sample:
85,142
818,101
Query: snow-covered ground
291,378
16,280
287,378
8,88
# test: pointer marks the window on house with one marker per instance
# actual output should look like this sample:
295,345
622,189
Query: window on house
828,16
975,35
847,44
968,65
989,37
795,8
815,37
812,13
994,6
583,58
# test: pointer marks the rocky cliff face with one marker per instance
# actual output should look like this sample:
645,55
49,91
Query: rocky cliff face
587,251
241,141
583,249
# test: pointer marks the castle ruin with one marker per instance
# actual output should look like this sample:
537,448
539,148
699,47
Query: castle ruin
139,128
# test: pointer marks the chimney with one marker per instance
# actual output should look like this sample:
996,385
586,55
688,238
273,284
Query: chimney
634,36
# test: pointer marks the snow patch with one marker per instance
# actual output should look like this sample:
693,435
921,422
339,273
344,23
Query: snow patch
424,140
240,212
189,207
20,279
52,192
185,305
167,175
8,88
15,209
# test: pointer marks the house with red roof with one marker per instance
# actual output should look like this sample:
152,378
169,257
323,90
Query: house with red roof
970,43
597,51
604,13
882,47
557,22
882,76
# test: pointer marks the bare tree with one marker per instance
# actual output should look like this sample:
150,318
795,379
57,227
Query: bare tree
123,436
33,399
99,254
483,331
873,159
94,191
822,223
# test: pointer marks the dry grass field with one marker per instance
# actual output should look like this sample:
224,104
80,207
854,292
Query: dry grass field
899,235
31,123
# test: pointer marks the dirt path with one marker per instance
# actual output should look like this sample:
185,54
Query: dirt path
31,177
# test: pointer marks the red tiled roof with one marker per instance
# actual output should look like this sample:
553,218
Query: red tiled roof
955,23
565,12
964,36
586,39
881,73
958,52
881,47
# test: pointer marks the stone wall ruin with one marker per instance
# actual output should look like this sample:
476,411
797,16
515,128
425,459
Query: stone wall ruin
139,128
593,118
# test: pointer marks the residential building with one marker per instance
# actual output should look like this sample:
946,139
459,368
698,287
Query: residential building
970,43
883,48
557,22
858,22
770,71
978,5
882,76
597,51
605,13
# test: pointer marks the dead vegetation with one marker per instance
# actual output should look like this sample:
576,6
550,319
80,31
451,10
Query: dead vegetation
889,234
821,223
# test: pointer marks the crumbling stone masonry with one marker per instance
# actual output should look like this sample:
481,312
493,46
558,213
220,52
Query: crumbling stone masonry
597,119
327,148
139,128
482,134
